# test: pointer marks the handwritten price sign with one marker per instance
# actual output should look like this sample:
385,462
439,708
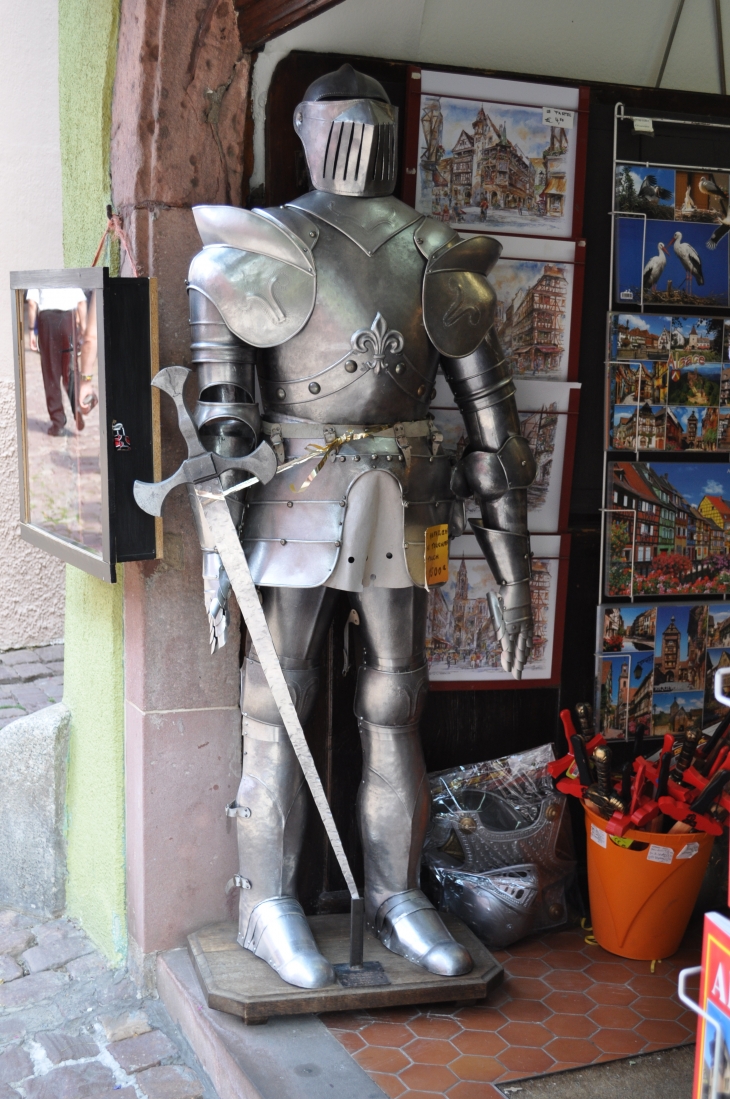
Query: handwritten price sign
554,116
437,554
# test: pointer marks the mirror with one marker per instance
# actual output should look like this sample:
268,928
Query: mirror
88,425
60,387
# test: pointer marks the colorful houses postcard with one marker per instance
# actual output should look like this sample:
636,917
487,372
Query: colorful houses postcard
670,388
496,166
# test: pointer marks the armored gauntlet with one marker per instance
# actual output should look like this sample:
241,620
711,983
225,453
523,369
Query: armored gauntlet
497,469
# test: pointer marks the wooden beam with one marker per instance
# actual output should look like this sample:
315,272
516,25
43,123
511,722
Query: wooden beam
261,20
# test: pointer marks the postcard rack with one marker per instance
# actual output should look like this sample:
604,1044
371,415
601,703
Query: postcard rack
665,543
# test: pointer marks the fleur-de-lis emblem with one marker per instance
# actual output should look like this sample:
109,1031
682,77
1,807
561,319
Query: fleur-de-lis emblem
377,340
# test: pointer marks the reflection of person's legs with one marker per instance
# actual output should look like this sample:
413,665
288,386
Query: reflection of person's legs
272,796
54,339
394,798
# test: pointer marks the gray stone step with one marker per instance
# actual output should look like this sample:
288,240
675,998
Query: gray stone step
293,1056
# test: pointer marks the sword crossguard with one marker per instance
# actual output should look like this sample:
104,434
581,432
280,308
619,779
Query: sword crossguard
200,464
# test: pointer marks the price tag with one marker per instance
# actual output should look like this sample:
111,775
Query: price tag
554,116
688,851
437,554
659,854
598,835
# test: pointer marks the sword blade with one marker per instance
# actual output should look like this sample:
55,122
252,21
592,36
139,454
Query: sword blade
228,546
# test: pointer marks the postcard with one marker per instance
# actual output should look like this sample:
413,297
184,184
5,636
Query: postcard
495,166
664,660
614,696
668,528
645,190
701,196
669,263
629,629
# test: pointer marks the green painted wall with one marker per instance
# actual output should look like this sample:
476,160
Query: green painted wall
87,43
94,693
94,673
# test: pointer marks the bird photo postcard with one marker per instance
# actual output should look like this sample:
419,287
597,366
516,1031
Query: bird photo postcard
670,263
645,190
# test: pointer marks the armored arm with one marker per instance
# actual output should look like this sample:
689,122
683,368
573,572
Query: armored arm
498,466
228,423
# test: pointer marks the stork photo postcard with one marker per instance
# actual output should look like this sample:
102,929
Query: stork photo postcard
671,230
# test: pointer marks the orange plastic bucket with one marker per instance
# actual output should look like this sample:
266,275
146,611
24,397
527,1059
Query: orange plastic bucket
641,900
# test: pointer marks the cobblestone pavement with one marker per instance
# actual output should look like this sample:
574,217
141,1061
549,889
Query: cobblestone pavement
71,1028
29,680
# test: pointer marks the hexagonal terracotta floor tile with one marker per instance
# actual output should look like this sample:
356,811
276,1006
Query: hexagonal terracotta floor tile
612,973
477,1069
525,1034
528,1061
482,1043
386,1034
657,1007
528,948
652,1030
526,967
525,988
617,995
615,1018
428,1078
350,1039
573,1050
526,1011
568,980
381,1059
623,1042
569,1003
391,1085
566,959
430,1051
571,1026
427,1026
467,1090
480,1018
653,985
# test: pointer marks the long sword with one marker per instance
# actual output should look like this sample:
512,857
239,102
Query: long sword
201,471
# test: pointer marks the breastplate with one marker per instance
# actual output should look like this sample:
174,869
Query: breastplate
364,355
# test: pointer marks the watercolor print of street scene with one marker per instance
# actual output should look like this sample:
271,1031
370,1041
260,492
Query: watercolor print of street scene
545,430
667,529
533,315
495,167
670,388
460,641
657,668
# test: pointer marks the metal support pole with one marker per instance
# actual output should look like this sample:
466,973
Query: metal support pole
670,42
720,48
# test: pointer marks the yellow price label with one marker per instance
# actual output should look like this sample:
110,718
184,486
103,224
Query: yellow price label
437,554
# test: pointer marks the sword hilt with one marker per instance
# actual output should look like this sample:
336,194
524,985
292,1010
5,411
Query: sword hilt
200,463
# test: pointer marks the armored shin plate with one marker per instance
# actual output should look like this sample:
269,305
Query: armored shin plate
460,842
393,807
498,905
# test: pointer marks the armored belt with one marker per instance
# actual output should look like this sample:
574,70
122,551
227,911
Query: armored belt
412,429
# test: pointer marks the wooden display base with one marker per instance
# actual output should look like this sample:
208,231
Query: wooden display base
235,981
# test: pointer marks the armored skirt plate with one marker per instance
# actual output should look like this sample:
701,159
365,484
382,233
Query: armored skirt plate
235,981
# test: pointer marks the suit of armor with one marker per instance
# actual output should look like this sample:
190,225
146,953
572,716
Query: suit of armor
343,303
